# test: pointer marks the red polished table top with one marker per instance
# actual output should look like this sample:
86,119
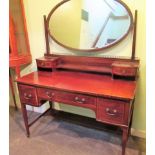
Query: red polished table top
93,84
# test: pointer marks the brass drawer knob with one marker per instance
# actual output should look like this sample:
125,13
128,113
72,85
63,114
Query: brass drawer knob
107,109
27,96
115,111
50,94
123,71
76,98
111,112
83,100
42,64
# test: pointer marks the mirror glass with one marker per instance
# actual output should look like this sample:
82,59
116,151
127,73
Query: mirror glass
89,24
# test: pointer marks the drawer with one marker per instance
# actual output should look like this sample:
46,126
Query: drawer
124,71
28,95
47,94
111,111
44,64
76,99
67,97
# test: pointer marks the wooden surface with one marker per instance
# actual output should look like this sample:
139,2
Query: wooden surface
94,84
86,82
110,99
92,64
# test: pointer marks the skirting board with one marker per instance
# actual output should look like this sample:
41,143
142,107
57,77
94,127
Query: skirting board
138,133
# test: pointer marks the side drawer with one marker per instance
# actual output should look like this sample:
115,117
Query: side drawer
112,111
28,95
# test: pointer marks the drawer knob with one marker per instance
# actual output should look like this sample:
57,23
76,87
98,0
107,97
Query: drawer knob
50,94
123,71
77,99
111,112
83,100
42,64
27,96
107,109
115,111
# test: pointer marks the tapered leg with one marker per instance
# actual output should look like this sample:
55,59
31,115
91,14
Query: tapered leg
124,139
24,111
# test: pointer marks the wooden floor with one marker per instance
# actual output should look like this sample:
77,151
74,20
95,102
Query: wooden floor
66,135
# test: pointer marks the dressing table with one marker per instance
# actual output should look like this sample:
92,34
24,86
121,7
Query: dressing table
105,85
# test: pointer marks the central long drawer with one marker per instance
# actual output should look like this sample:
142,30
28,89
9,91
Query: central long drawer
67,97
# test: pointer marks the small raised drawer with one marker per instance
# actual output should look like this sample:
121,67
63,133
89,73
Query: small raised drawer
124,71
47,63
125,68
111,111
28,95
44,64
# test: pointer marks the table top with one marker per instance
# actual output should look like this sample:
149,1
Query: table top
88,83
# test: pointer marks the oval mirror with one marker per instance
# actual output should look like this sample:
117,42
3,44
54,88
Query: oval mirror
89,25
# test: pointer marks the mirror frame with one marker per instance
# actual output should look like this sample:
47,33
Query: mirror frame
95,49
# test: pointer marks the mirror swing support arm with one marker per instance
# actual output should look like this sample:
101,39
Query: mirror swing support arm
134,36
48,52
46,36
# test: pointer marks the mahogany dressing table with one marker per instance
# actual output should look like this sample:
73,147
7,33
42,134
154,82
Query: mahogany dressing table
107,86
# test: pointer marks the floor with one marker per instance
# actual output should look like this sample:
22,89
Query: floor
57,136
